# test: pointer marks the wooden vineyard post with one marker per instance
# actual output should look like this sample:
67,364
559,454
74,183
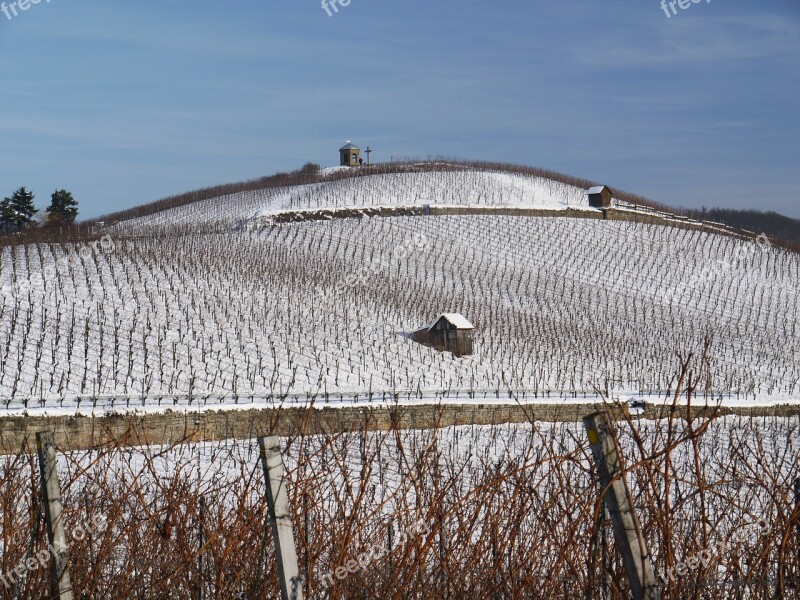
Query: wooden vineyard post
280,520
627,530
60,585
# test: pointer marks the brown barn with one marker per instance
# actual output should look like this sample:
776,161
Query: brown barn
449,332
349,155
599,196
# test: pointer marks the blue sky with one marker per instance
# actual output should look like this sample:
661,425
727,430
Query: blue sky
125,103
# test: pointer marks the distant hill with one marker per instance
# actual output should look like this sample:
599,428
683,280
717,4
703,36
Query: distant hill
311,173
772,224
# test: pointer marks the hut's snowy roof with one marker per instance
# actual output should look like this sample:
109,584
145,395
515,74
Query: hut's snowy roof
455,319
596,189
349,146
458,321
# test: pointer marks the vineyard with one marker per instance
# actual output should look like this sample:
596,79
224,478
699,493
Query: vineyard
211,302
452,188
505,511
208,301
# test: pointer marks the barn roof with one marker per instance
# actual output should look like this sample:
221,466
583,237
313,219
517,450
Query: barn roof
349,146
455,319
598,189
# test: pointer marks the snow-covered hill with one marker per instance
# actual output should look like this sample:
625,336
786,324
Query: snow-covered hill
150,315
452,188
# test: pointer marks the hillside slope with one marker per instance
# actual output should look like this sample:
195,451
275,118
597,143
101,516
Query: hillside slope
155,314
450,188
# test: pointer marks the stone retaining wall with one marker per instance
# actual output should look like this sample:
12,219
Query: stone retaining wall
83,432
610,214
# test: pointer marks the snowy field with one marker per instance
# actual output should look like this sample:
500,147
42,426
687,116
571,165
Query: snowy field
319,311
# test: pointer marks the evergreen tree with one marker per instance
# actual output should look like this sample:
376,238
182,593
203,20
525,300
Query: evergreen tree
17,211
6,215
63,208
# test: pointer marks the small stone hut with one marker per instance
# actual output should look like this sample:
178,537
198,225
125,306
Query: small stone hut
449,332
599,196
349,155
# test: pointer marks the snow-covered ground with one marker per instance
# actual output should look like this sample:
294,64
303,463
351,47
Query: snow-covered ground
318,309
454,188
